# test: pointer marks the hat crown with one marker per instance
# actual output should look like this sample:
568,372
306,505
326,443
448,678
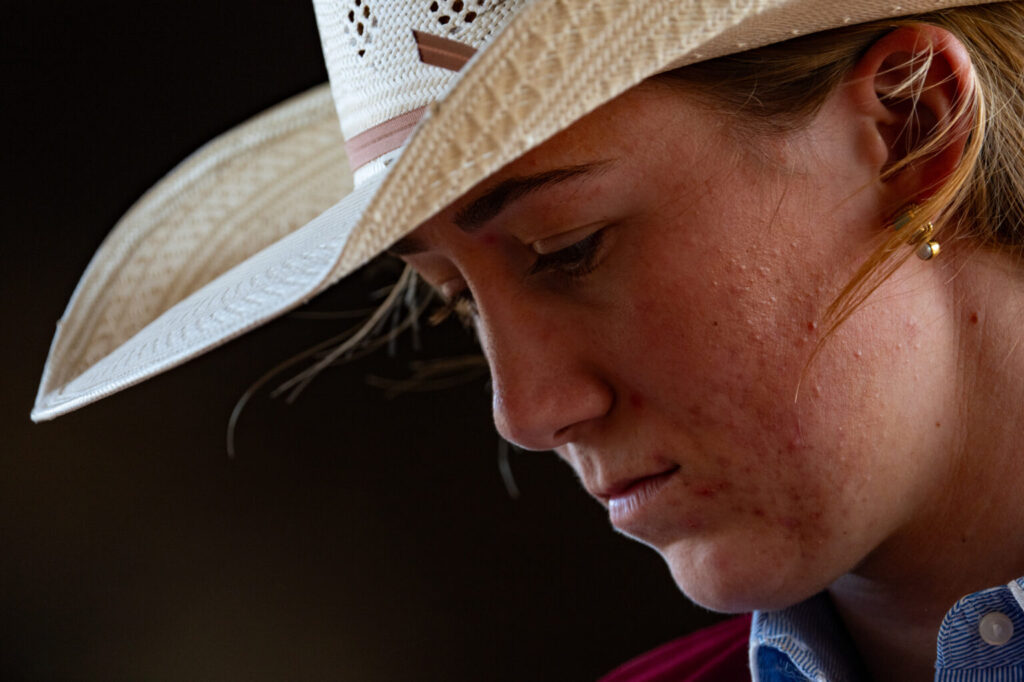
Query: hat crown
372,49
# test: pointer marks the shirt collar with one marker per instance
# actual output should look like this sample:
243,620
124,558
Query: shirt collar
803,642
808,642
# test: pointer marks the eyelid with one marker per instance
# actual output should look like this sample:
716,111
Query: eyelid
566,239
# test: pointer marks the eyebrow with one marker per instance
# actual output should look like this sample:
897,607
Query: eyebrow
491,203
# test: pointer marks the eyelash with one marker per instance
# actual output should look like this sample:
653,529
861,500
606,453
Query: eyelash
574,261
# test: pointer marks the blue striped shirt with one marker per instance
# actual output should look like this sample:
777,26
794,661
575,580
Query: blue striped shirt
807,642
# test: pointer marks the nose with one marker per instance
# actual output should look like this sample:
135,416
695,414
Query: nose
547,387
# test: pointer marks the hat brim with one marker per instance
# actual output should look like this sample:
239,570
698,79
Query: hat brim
208,253
554,63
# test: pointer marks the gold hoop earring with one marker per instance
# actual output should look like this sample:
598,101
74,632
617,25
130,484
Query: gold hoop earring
928,249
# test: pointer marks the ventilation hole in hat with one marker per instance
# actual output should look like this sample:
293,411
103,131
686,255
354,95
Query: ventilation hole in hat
361,25
458,13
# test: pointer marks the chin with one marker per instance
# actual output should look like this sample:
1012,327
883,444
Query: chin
741,581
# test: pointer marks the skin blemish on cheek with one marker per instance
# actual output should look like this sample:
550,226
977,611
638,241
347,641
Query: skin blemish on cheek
974,318
711,490
789,523
488,239
636,400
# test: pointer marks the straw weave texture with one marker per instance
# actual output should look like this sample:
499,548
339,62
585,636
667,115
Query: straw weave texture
234,197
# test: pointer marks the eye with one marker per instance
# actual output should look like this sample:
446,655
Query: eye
575,260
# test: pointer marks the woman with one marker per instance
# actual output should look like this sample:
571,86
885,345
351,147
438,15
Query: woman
700,290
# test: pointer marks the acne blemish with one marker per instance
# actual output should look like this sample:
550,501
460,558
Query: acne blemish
710,490
636,400
758,511
974,318
811,326
489,239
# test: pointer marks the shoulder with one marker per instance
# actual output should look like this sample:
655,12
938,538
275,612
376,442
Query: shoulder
716,653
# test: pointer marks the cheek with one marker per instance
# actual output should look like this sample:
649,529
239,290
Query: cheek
719,338
724,345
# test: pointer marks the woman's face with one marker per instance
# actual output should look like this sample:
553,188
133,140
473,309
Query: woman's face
658,341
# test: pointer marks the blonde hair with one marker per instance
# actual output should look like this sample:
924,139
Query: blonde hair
780,87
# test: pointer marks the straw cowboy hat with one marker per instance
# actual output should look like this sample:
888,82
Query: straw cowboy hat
432,96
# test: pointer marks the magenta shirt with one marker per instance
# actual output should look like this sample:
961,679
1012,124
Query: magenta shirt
718,653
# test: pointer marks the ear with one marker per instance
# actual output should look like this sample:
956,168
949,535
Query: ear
916,85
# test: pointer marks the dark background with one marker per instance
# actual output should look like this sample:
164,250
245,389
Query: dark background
354,536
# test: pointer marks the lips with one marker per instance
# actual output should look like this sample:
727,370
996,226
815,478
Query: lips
627,499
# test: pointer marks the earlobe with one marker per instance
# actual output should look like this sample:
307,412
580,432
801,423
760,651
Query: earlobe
916,84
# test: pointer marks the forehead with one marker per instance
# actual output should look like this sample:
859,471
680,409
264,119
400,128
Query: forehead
608,131
624,131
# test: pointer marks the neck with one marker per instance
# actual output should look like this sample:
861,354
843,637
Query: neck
894,603
968,537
